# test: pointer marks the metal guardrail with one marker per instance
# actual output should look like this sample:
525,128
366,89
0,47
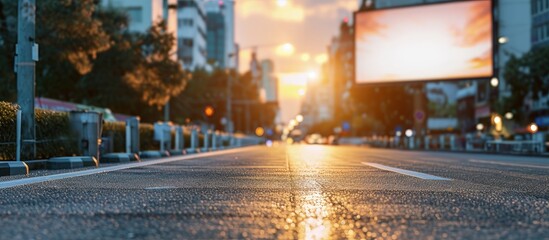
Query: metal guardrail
515,146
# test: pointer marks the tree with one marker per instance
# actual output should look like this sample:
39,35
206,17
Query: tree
384,108
89,56
156,77
527,77
70,38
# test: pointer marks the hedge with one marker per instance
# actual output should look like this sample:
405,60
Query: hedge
7,130
116,132
53,136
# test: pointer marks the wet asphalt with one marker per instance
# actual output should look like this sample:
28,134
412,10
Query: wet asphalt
290,192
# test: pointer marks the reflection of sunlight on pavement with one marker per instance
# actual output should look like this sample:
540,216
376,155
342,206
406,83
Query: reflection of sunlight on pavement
313,208
322,212
314,156
315,211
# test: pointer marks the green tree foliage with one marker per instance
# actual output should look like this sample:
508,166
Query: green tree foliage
210,89
383,108
87,55
156,76
527,77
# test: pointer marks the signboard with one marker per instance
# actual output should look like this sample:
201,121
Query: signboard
431,42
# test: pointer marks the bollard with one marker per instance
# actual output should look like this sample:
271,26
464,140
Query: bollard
411,142
87,126
453,142
179,138
18,129
441,142
427,138
194,141
132,135
206,147
128,138
214,141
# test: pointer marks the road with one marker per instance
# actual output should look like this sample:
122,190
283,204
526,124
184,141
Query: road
287,192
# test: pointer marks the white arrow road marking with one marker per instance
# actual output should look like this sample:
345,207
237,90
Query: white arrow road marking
406,172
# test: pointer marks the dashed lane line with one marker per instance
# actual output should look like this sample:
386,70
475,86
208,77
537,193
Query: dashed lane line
406,172
509,164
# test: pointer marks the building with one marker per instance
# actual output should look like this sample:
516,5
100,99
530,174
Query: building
221,19
142,13
318,104
341,64
540,22
191,34
170,16
269,83
216,39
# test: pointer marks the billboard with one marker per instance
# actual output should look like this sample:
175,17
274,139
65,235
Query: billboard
444,41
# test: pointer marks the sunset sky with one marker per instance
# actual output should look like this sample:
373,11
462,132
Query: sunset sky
425,43
308,25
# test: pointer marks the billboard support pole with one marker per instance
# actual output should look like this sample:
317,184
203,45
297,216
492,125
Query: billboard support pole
420,111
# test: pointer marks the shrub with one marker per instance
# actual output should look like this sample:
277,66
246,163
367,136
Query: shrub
53,136
116,132
7,130
146,137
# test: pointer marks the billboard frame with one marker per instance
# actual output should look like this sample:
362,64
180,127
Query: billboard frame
495,46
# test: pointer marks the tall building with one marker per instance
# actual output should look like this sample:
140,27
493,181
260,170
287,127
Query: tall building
191,39
540,23
540,38
318,103
269,83
341,61
222,12
217,54
142,13
170,16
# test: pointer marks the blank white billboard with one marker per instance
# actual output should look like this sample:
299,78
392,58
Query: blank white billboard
422,43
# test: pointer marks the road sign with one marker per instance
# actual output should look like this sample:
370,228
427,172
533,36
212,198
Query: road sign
419,115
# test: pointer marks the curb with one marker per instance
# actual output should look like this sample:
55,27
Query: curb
13,168
192,150
177,152
71,162
119,157
154,154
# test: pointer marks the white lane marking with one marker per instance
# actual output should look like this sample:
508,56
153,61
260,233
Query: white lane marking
509,164
406,172
160,188
27,181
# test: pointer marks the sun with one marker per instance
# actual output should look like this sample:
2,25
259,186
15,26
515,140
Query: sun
281,3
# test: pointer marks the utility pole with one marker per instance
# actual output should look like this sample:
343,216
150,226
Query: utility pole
26,55
229,123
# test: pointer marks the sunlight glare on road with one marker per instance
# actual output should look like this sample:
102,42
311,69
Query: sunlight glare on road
315,209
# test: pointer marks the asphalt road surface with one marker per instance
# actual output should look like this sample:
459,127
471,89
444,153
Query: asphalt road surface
286,192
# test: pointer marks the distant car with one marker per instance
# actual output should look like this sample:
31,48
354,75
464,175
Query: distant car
315,139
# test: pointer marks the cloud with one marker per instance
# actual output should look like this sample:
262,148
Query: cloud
330,9
295,11
478,26
289,12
